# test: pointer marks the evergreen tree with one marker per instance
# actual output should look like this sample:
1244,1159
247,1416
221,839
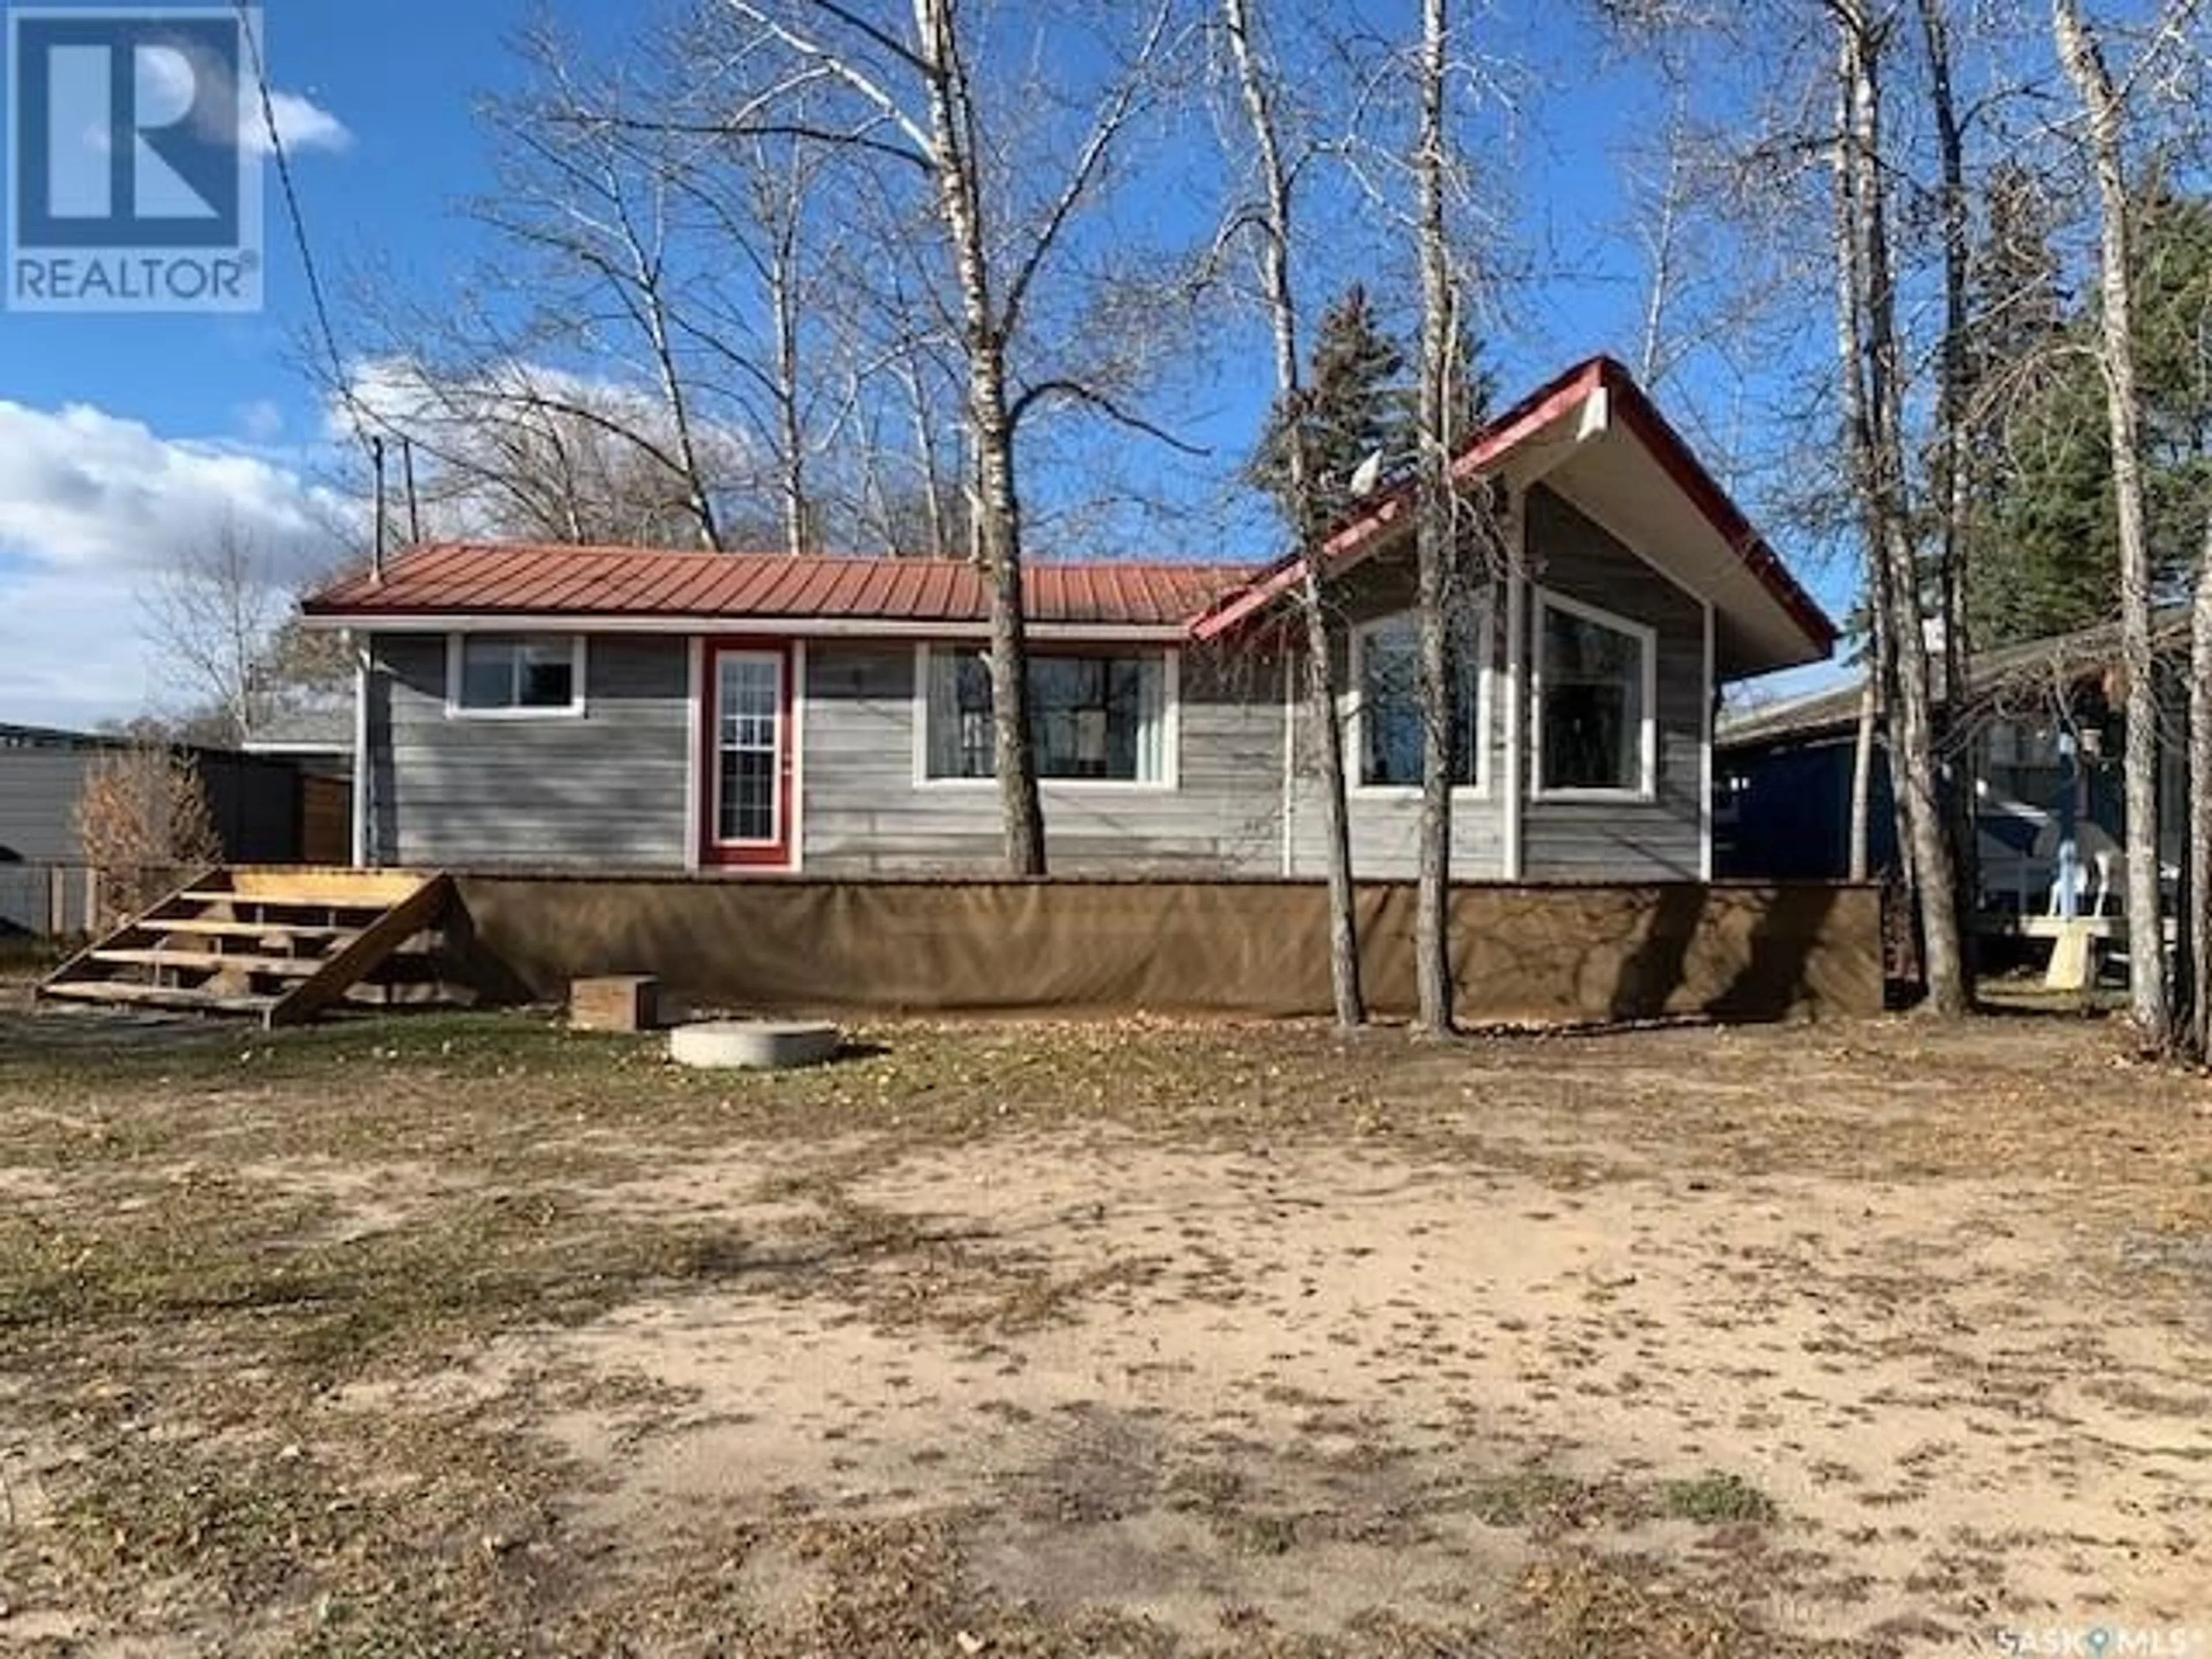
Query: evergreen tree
2174,303
2046,551
1358,401
1353,405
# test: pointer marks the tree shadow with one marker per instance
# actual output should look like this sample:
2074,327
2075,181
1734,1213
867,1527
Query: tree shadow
1775,980
1651,974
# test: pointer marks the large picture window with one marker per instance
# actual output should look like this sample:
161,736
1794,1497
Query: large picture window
515,673
1593,701
1102,719
1389,684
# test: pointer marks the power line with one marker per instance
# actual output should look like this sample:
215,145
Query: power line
300,240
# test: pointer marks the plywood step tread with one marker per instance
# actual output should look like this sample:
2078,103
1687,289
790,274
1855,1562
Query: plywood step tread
221,927
157,996
239,961
361,907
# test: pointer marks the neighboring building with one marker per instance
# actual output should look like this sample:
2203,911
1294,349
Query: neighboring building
264,811
2041,731
621,709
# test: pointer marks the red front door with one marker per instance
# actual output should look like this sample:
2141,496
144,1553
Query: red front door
745,791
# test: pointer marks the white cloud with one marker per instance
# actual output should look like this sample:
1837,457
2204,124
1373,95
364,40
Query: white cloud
170,77
84,489
93,504
71,653
302,124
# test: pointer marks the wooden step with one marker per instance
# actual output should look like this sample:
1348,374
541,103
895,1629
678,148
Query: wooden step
342,930
157,996
335,906
220,928
236,962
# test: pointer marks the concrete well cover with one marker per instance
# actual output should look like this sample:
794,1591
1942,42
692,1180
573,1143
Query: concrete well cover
757,1045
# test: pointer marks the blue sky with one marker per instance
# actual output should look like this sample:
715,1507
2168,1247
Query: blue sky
128,432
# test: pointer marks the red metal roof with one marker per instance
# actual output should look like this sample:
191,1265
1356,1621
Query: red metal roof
480,580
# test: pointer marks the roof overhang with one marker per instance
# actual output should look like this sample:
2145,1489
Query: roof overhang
1597,440
766,627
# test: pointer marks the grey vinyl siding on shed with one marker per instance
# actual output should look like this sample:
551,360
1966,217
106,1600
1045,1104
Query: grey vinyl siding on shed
608,788
38,804
254,803
1661,839
37,828
863,813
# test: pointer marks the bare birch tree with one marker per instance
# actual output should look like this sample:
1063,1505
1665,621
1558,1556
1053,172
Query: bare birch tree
1257,85
211,613
1881,484
600,208
2081,55
1435,529
916,98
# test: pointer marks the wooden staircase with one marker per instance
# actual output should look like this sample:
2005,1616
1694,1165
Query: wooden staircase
280,945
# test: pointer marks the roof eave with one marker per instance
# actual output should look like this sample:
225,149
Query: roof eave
397,621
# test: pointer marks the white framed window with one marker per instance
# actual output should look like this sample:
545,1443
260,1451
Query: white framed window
749,739
1596,697
514,676
1104,718
1386,720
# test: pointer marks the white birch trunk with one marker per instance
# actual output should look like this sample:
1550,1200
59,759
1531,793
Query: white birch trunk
1320,653
2084,63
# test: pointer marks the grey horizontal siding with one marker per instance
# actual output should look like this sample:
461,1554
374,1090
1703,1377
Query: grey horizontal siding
1661,839
863,814
609,788
1386,827
39,788
253,803
606,789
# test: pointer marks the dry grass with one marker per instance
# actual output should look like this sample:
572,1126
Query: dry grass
289,1329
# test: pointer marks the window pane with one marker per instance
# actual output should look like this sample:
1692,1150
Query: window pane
976,735
1089,717
547,676
487,673
512,671
1593,692
1391,700
748,795
748,737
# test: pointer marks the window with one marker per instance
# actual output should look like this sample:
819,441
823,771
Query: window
516,673
1594,689
1390,709
1102,719
748,746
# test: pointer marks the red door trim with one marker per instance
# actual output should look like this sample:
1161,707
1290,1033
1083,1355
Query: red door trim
713,854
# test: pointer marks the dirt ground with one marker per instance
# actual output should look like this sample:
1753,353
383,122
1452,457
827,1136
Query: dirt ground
464,1335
